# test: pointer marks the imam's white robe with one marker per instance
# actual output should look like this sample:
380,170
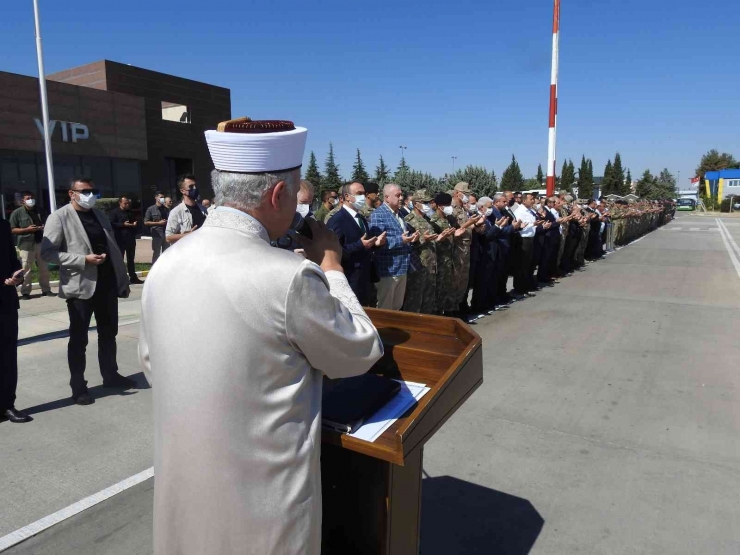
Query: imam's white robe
235,335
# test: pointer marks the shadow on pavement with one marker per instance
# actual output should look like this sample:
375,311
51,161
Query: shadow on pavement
97,392
459,517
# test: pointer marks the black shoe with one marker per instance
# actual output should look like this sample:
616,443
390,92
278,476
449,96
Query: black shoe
116,380
135,281
16,416
48,294
26,297
83,399
529,295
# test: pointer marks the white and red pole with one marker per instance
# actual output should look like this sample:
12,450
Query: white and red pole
553,101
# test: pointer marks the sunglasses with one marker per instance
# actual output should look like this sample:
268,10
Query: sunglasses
87,191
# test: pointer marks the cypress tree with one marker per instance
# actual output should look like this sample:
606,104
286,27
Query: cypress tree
540,175
585,185
512,178
608,185
628,183
332,179
619,179
568,176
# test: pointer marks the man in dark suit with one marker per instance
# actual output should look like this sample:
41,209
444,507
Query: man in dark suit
11,274
353,231
124,227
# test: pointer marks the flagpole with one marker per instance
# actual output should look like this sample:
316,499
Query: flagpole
553,100
44,110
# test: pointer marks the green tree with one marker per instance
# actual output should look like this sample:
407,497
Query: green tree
540,175
332,179
628,183
381,173
646,185
358,170
512,178
665,185
482,182
585,183
313,174
621,188
713,161
608,185
568,176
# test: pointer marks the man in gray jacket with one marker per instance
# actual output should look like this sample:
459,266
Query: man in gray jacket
92,277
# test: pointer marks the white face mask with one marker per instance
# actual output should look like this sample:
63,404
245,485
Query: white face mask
30,202
473,208
303,209
489,212
334,201
86,201
465,198
429,212
425,208
359,201
160,200
537,206
447,210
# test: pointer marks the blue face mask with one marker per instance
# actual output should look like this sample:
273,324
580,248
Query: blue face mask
193,193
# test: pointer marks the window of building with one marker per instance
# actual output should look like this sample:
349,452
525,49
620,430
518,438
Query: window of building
99,170
172,111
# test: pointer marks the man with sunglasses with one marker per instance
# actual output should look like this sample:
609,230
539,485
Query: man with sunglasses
79,239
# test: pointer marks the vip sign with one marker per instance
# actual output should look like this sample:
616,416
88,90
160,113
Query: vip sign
70,130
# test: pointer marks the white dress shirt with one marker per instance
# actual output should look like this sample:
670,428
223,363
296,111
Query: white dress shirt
526,217
352,212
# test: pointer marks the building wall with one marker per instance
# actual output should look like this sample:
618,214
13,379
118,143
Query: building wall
172,146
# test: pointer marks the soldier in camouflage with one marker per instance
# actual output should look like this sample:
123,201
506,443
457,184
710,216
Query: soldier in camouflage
442,205
421,286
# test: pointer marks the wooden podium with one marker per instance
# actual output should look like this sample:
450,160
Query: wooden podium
372,491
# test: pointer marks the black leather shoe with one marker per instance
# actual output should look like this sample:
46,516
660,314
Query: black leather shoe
26,297
135,281
83,399
48,294
116,380
16,416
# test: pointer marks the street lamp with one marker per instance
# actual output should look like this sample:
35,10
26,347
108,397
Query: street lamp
453,163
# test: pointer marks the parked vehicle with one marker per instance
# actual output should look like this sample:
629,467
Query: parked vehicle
686,204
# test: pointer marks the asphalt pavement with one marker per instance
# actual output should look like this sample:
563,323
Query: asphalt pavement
607,422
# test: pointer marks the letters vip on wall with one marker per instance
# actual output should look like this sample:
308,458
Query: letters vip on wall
71,131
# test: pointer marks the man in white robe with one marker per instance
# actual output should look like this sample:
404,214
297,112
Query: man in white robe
238,425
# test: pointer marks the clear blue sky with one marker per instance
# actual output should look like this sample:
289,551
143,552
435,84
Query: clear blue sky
656,80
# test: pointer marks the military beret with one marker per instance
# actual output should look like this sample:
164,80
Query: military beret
371,188
442,199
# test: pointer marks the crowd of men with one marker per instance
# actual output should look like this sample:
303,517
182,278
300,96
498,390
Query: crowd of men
426,253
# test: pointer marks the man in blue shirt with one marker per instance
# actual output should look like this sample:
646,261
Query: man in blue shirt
392,259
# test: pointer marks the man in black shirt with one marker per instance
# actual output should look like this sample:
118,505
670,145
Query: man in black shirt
124,226
156,220
92,277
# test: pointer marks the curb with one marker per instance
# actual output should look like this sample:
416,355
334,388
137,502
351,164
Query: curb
36,286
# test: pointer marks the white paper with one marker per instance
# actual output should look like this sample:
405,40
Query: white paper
379,422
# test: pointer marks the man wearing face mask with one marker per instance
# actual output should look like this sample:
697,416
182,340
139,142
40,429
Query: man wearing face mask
329,199
27,224
187,216
237,427
461,259
124,227
155,219
92,277
440,220
353,231
305,198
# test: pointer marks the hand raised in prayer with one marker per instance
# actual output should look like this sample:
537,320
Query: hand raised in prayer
381,240
368,243
459,232
324,249
430,236
410,238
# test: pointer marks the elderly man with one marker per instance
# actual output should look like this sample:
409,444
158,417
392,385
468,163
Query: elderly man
392,259
237,427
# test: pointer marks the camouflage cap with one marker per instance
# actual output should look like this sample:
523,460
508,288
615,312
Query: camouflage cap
463,187
422,196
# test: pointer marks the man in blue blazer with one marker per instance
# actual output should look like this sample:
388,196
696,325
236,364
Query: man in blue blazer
353,231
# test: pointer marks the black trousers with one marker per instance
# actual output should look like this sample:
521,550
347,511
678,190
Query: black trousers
159,245
129,249
523,275
8,357
104,304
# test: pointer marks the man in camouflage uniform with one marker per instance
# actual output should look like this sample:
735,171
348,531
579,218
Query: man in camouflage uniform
421,286
461,256
445,301
372,201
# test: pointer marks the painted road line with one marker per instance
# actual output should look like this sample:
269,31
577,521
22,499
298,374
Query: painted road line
22,534
729,248
730,238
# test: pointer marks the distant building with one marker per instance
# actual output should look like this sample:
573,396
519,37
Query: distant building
722,183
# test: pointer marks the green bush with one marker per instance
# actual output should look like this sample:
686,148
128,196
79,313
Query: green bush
106,204
725,206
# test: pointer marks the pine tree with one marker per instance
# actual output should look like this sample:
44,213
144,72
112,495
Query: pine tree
568,176
665,185
358,170
646,186
332,180
402,172
620,187
313,174
512,178
381,173
608,185
628,183
591,171
540,175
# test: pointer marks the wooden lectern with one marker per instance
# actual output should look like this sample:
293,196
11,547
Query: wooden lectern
372,491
